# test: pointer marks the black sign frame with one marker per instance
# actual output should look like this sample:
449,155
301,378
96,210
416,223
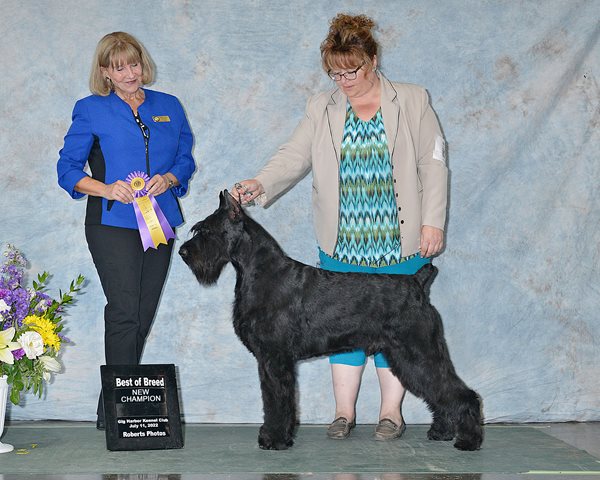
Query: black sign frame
141,407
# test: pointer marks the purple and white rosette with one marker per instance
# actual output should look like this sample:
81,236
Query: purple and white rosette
152,224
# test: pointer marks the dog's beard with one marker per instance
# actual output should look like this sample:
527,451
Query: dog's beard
205,257
207,274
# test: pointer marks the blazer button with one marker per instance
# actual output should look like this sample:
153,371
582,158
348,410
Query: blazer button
401,222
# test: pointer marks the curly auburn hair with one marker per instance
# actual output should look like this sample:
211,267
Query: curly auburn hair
349,42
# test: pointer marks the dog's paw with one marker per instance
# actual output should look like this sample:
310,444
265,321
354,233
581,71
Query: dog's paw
468,444
274,445
268,442
440,436
441,431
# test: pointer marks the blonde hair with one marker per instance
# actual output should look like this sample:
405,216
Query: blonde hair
114,49
349,42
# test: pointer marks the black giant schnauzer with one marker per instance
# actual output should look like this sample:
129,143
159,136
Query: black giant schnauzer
286,311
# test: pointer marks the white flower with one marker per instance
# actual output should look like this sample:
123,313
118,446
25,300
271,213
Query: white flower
7,345
32,343
50,364
3,306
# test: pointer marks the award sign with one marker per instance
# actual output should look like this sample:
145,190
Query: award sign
141,407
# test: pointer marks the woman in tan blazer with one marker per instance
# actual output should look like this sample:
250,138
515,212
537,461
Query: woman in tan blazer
379,194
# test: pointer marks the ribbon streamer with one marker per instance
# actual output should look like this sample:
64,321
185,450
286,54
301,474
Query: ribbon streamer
152,224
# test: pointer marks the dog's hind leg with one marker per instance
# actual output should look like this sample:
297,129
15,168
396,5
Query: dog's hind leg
278,385
421,383
460,406
460,413
421,361
456,409
442,427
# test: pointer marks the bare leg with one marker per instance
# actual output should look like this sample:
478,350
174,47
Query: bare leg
346,384
392,395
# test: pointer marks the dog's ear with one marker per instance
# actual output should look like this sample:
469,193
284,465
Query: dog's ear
232,205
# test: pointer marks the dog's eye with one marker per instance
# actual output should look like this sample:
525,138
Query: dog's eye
199,229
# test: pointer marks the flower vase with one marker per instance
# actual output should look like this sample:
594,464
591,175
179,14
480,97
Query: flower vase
4,447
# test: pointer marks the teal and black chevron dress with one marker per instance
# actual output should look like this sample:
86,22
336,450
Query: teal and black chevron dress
368,234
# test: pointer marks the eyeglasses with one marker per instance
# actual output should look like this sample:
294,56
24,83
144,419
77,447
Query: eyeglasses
351,75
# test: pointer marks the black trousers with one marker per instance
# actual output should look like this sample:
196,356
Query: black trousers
132,281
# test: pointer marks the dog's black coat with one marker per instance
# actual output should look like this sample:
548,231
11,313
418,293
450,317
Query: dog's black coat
286,311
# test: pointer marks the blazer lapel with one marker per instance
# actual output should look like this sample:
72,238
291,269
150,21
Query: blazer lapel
390,110
336,116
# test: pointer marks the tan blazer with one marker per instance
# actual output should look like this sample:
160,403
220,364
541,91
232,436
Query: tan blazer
417,150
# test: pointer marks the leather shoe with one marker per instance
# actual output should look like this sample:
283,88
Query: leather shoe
340,428
388,430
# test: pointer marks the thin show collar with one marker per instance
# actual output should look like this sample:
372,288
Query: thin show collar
390,111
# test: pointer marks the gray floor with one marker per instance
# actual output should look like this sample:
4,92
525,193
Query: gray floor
70,450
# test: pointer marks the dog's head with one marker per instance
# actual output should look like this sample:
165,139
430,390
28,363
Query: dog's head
215,237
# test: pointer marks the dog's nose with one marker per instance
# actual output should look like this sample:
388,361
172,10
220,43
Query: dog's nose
183,252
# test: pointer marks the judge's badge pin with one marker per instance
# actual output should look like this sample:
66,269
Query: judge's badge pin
161,118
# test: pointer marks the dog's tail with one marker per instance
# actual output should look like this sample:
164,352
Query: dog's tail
425,276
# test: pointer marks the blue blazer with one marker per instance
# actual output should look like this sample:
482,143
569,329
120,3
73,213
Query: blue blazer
105,135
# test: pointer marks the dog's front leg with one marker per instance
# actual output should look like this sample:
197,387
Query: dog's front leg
278,384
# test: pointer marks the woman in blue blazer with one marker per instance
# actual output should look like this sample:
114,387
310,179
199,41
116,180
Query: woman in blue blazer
124,128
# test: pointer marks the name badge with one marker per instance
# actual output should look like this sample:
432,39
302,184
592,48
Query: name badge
161,118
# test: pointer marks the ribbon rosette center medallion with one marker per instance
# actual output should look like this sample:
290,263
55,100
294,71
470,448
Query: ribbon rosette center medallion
152,223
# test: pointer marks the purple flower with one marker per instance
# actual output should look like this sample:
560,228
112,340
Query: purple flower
64,338
16,303
41,302
18,354
16,297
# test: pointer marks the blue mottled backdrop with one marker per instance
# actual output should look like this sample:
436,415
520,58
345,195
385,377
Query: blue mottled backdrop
515,86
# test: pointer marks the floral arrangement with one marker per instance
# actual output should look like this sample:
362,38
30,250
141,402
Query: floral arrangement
30,327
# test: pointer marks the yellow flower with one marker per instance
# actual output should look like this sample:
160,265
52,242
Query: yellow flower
45,328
